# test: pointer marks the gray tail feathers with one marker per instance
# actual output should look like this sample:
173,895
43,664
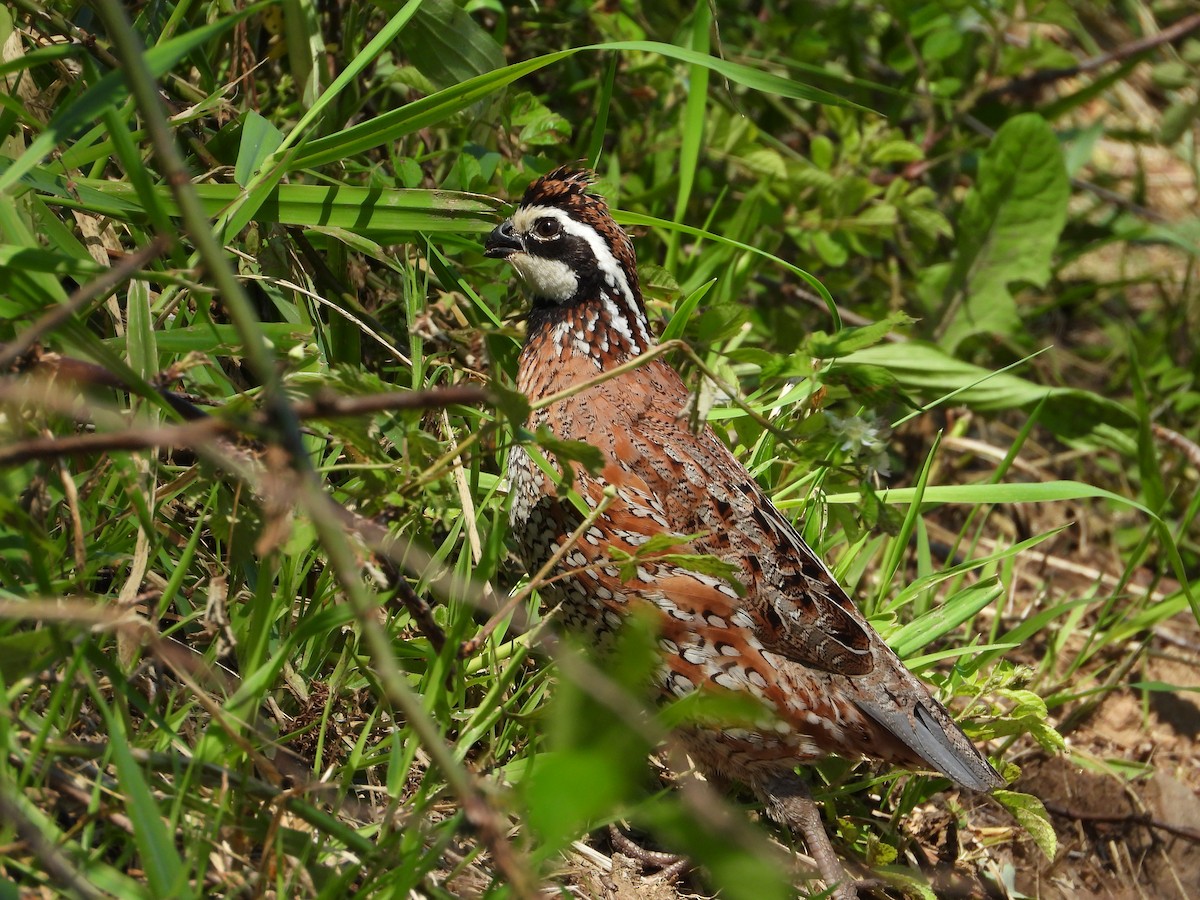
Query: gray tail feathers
933,736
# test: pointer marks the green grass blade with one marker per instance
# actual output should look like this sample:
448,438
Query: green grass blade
164,867
367,210
683,312
1031,492
632,218
692,125
435,108
112,88
941,620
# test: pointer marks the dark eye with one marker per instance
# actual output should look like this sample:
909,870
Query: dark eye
547,228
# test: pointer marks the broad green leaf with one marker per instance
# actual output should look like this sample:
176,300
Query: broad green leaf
31,59
692,123
568,790
305,48
17,259
1007,230
928,372
259,140
140,343
920,633
1032,815
219,340
823,346
632,218
395,124
739,860
25,653
729,708
920,663
581,452
1163,687
701,563
683,312
448,46
539,126
657,281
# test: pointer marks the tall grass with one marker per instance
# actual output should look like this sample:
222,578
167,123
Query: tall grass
260,395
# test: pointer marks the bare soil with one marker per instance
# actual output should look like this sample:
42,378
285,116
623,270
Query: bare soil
1118,836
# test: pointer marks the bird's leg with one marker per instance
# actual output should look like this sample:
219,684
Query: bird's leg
788,802
670,865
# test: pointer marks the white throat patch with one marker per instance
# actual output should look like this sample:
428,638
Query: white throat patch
551,279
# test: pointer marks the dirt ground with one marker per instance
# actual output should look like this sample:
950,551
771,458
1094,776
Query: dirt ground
1121,837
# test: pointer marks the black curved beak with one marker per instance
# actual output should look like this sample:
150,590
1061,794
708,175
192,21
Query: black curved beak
502,242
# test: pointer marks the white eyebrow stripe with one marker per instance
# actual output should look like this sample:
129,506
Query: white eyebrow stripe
614,274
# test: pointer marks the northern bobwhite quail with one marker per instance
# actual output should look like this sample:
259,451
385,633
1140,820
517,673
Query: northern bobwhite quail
794,640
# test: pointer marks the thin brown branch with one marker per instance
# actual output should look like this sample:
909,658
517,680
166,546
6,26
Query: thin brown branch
1031,82
327,405
1131,818
207,428
418,608
134,439
1180,442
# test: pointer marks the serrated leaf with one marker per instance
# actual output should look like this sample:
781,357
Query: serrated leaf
1031,814
1031,716
539,126
1008,228
766,162
657,281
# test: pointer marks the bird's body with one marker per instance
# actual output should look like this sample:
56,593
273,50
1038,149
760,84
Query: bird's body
793,639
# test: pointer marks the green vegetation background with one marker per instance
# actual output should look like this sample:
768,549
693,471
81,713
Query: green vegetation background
214,685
